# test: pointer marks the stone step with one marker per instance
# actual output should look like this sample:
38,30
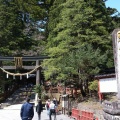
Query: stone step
18,96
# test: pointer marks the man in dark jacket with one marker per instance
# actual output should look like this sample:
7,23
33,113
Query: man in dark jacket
27,111
39,109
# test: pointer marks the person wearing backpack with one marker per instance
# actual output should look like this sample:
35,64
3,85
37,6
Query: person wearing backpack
47,106
52,108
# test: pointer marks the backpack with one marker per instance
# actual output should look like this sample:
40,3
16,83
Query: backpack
47,106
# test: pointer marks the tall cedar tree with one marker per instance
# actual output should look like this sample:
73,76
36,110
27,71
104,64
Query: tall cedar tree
75,24
20,20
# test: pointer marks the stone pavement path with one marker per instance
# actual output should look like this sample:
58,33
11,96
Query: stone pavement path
13,113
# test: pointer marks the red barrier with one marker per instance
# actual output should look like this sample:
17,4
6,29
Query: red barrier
86,115
82,115
75,114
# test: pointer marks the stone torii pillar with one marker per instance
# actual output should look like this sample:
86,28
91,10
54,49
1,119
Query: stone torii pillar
112,109
116,51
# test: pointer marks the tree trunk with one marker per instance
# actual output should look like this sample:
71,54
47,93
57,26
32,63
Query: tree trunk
81,85
82,91
86,87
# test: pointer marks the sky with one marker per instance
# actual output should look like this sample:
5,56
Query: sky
113,4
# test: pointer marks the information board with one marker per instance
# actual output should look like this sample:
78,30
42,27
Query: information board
107,85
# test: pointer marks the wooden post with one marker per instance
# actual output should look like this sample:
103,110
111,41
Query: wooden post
0,66
116,50
68,106
99,93
38,81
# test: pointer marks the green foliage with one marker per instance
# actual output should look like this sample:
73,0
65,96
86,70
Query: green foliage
86,60
78,32
79,41
93,86
19,26
40,90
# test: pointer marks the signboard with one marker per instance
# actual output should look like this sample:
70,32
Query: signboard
107,85
65,101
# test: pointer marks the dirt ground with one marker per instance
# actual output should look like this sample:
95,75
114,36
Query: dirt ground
93,105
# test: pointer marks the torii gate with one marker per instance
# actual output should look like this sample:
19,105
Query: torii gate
19,64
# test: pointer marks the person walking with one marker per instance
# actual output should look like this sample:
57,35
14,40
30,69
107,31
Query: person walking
52,108
27,111
47,106
56,104
39,109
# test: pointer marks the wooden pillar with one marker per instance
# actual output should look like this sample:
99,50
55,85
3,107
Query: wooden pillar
0,66
116,50
38,79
